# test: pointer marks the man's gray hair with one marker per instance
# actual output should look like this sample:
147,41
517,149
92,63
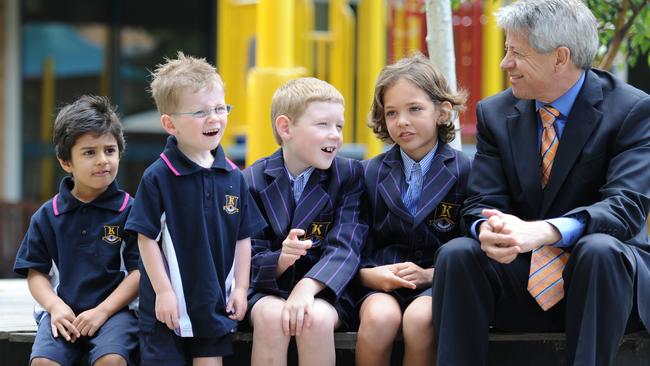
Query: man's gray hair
554,23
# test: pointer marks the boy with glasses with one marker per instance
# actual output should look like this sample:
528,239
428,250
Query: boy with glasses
194,217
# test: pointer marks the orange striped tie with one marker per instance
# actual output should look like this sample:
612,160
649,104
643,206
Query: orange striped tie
550,141
547,263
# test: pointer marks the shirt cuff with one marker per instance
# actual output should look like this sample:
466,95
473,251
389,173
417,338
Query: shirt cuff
475,226
570,228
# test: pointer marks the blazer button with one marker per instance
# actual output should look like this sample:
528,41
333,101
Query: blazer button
83,232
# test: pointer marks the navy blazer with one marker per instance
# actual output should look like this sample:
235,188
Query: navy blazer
328,211
396,235
601,170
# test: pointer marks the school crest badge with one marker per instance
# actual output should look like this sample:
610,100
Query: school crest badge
231,204
111,234
444,217
317,231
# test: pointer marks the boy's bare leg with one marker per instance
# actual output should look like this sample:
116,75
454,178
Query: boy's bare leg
316,343
417,329
42,361
207,361
111,359
381,317
270,345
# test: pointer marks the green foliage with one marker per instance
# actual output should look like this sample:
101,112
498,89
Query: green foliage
634,29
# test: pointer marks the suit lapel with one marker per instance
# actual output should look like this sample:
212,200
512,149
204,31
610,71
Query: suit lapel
277,196
312,200
523,136
436,184
389,184
580,123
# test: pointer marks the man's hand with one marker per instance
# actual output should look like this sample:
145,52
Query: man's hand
167,309
384,278
237,305
411,272
293,248
90,321
504,236
62,320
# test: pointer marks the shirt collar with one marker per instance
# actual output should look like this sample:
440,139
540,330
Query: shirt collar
564,103
180,164
305,174
425,162
111,199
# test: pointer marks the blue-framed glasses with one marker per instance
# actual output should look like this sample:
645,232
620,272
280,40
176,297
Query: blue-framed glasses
220,110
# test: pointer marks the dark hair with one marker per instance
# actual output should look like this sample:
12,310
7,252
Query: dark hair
88,114
420,71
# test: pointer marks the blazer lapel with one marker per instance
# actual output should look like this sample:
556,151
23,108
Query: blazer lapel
523,136
580,123
437,183
277,196
312,200
389,185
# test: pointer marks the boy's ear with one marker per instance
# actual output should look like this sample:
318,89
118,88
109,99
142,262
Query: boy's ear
282,125
445,112
168,124
65,165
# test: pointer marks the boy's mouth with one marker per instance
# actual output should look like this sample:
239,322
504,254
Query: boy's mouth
212,132
329,149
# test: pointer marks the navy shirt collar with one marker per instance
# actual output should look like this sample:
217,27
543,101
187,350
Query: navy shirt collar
180,164
111,199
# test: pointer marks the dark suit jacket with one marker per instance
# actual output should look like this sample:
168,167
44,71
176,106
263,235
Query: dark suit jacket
328,211
601,170
397,236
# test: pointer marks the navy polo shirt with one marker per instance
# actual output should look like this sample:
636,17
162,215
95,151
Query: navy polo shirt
196,215
83,246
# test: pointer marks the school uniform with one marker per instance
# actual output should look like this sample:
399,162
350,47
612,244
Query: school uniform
196,215
86,251
328,211
398,235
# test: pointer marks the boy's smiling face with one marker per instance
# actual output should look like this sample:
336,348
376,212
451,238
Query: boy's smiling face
93,164
197,135
314,138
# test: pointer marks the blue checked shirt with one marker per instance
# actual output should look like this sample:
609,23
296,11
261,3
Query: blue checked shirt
298,183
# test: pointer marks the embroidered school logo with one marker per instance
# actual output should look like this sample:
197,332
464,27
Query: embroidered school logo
444,217
317,231
111,234
231,204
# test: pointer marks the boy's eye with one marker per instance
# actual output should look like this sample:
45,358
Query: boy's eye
390,113
111,150
415,108
200,114
89,152
339,127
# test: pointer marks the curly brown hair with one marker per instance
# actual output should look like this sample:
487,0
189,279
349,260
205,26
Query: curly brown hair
421,72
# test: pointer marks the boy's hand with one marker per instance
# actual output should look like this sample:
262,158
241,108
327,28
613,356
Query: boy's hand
167,309
413,273
62,322
297,312
90,321
293,248
384,278
237,305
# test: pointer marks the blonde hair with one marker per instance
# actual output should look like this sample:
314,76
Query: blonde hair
420,71
176,76
293,97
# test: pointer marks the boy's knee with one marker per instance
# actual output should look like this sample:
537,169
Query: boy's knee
379,317
266,315
42,361
111,359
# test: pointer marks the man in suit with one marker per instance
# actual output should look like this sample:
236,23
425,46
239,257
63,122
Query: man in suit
558,199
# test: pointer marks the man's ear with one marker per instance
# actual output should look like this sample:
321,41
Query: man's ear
168,124
65,165
445,113
283,126
562,56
